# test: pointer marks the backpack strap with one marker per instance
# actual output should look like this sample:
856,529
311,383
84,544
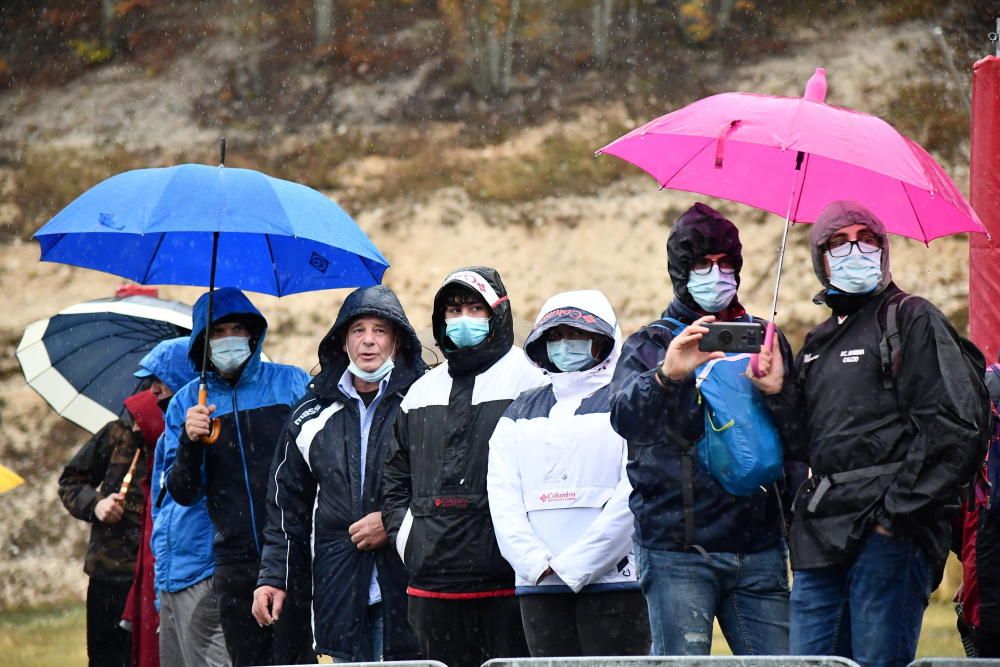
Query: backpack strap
687,490
889,345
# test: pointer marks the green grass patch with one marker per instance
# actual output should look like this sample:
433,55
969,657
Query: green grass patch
44,637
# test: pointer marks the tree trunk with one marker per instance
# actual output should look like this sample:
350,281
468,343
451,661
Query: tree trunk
601,27
108,24
323,22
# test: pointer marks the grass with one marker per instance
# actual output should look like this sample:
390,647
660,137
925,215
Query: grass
56,636
46,637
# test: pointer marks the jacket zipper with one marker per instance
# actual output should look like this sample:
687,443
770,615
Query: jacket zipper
246,472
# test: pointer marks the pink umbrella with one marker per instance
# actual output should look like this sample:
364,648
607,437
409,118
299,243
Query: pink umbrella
794,155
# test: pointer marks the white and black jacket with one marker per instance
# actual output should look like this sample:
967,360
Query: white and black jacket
557,483
435,505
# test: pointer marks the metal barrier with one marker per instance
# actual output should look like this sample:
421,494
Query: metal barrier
400,663
682,661
955,662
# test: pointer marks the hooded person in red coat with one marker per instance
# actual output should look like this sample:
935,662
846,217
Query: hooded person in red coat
140,611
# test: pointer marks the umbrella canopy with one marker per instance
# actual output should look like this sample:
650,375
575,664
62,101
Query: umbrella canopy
157,226
82,360
9,479
794,155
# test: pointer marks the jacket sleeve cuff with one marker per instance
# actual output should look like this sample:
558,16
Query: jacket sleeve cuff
576,583
271,581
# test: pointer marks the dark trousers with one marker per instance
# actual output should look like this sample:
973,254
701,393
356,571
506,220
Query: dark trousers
567,624
289,641
988,573
467,633
108,645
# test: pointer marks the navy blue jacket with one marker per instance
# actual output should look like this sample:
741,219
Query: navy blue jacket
316,492
233,472
641,412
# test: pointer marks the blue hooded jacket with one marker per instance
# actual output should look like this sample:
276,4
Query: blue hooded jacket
182,536
233,473
169,363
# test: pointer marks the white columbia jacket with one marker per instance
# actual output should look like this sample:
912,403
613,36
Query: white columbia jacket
558,491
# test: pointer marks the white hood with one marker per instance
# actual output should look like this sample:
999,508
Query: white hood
591,311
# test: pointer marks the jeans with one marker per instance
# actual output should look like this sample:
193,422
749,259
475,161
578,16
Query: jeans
869,610
685,592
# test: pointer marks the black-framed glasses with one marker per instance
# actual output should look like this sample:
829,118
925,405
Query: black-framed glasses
844,247
703,265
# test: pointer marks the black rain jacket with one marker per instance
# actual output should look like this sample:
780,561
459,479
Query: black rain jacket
838,416
315,491
435,506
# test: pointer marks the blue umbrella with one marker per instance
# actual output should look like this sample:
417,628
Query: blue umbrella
159,227
213,226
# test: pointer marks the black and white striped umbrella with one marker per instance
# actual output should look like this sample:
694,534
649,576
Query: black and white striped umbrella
81,360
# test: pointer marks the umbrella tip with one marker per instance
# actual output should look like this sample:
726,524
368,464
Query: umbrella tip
222,152
816,86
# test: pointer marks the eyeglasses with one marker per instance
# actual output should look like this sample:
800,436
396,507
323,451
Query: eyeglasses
564,333
703,266
843,247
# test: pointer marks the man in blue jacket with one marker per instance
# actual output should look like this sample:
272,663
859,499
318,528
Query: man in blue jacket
253,399
702,552
190,633
326,488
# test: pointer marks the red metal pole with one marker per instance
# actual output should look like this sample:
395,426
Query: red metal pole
984,191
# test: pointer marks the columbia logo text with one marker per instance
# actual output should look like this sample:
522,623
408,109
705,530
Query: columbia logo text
553,496
455,503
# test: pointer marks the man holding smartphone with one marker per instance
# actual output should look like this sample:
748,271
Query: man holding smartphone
703,553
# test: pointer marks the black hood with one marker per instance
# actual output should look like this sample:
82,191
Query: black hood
700,231
485,282
376,301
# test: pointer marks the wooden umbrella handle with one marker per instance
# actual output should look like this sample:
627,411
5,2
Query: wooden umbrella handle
127,480
216,427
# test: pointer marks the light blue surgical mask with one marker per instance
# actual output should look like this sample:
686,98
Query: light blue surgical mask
229,353
375,375
570,355
857,273
467,331
713,291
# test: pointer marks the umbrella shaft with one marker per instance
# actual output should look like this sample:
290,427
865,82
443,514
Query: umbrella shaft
208,310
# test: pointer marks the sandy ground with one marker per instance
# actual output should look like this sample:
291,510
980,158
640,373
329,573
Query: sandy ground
613,241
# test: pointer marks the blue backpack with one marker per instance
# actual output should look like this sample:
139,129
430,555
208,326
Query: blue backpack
741,447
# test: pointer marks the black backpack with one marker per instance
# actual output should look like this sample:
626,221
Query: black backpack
975,371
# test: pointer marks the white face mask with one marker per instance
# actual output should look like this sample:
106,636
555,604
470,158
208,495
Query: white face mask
712,291
857,273
229,353
375,375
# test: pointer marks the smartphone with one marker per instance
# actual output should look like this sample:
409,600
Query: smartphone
732,337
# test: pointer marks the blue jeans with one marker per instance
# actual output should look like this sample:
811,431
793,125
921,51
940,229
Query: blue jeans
685,592
869,610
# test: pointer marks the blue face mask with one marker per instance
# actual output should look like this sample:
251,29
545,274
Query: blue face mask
375,375
857,273
713,291
467,331
570,355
